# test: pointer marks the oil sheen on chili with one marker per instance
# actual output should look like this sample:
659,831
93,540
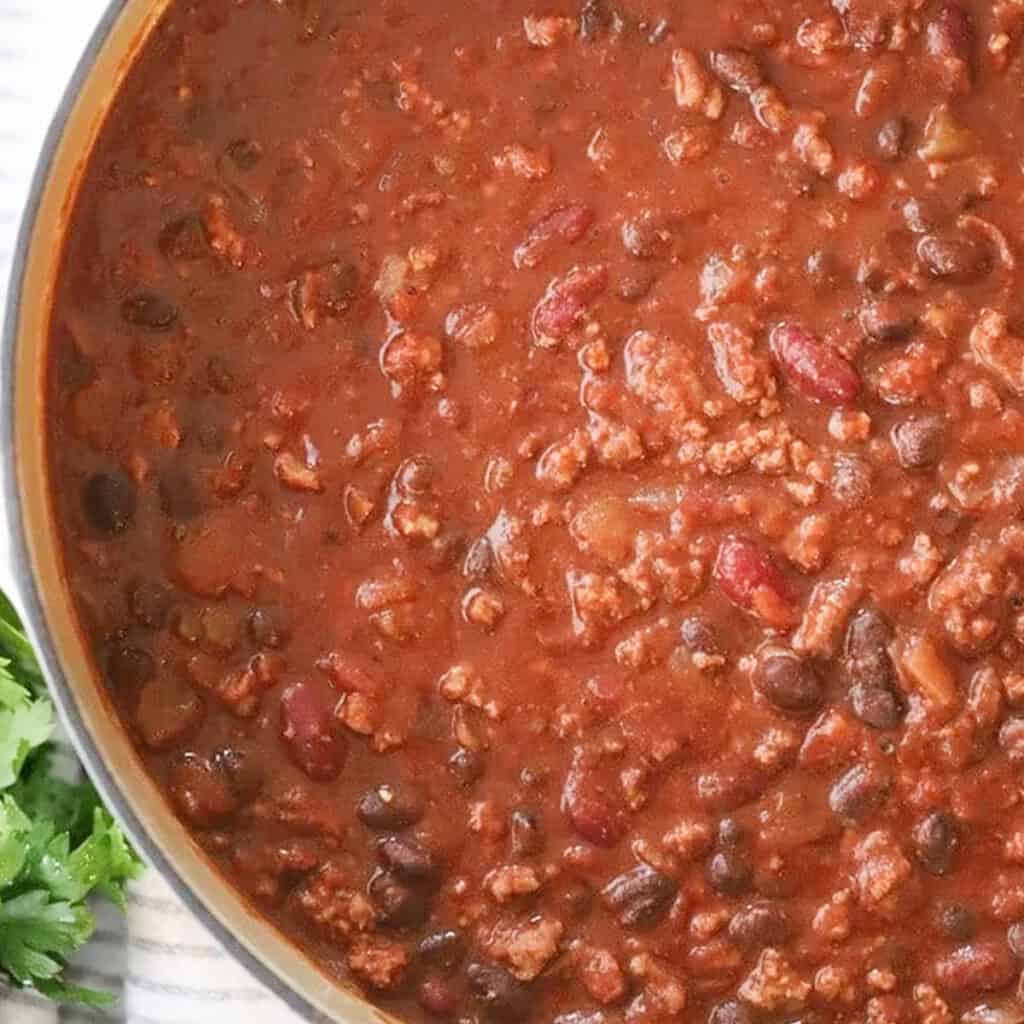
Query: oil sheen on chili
544,489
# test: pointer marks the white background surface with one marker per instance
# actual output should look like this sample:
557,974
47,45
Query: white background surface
159,961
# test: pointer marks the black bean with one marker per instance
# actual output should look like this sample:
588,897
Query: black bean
640,897
595,19
891,138
739,69
958,922
730,832
858,792
149,310
270,626
525,834
110,502
245,154
387,809
868,636
501,996
407,858
129,667
955,258
467,766
1015,939
936,841
445,949
730,871
881,707
788,682
759,925
885,320
398,904
918,441
242,770
184,240
732,1011
150,603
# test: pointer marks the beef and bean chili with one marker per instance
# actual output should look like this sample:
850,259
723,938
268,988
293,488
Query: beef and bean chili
544,484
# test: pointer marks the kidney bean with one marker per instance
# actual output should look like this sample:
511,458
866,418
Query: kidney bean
526,834
149,310
567,223
150,603
1011,739
861,790
739,69
954,257
110,502
640,897
167,713
501,996
812,367
592,805
732,1011
749,577
851,479
759,925
936,841
790,683
398,903
444,949
200,791
310,734
407,858
891,138
985,966
918,441
387,809
729,786
950,39
437,996
565,302
885,320
698,636
730,871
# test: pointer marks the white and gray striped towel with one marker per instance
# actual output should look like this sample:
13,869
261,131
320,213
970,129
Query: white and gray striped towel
160,962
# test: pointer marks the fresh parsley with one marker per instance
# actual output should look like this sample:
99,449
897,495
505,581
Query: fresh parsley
58,846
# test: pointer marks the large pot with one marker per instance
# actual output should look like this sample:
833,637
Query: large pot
35,581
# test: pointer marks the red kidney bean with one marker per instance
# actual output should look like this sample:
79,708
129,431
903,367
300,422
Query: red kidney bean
308,730
568,223
748,576
815,369
566,300
977,966
590,802
950,39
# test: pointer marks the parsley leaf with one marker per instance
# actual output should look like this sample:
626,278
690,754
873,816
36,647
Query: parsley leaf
58,846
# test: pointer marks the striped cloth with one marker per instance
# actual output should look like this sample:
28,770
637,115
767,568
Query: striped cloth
160,962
